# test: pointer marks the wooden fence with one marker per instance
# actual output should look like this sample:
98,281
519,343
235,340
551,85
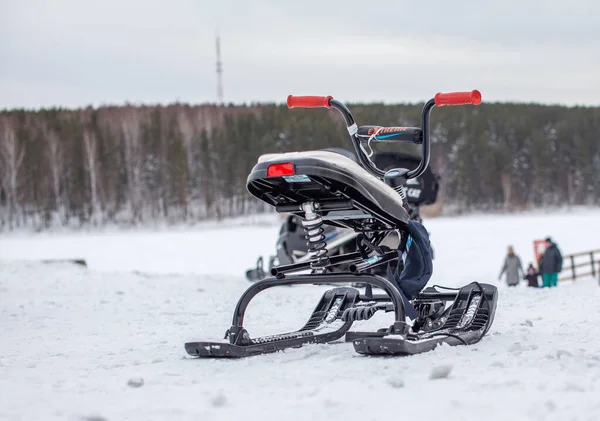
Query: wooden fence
586,261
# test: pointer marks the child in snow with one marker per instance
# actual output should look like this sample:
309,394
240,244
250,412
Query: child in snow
532,276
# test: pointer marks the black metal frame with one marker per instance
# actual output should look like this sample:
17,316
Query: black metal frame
392,295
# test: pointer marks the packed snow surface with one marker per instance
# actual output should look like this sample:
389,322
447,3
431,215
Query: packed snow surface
106,342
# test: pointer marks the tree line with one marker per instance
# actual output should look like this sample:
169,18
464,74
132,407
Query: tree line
181,163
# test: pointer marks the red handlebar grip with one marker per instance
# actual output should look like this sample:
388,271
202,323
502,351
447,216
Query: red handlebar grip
308,101
458,98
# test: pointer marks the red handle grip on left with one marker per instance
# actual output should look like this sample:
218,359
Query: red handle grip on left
458,98
308,101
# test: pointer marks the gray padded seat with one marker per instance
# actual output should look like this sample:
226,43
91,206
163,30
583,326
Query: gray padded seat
341,168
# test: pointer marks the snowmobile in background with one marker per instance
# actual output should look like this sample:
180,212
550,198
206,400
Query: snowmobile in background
326,188
292,246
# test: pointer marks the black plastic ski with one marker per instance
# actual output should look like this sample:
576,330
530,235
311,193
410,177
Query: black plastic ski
324,325
464,323
398,346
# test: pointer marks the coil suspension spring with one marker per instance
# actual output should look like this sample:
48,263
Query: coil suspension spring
397,175
401,192
317,246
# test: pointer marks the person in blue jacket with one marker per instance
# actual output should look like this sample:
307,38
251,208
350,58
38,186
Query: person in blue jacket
550,264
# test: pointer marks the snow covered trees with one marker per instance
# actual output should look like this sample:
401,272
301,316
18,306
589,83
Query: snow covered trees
180,163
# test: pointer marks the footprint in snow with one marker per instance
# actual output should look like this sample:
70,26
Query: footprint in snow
219,400
396,383
572,387
562,353
135,382
516,347
440,372
93,418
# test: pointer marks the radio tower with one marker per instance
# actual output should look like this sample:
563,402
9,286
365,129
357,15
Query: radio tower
219,73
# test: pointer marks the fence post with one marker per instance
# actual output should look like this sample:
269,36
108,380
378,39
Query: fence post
573,267
592,261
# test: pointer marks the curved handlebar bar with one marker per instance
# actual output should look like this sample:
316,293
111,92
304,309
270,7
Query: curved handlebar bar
440,100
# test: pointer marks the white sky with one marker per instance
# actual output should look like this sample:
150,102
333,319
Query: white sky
79,52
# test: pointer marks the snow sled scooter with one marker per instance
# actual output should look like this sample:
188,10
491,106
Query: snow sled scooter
327,188
291,244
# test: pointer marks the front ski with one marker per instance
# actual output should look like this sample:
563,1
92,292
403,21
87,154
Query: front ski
464,323
398,346
324,325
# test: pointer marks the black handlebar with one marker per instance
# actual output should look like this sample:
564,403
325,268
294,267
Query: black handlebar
440,99
365,161
425,151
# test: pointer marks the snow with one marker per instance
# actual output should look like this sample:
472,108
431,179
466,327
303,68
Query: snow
106,342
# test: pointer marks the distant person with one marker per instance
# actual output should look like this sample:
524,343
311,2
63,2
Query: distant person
532,276
550,264
512,266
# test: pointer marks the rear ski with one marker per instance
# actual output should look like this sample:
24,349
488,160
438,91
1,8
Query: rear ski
324,325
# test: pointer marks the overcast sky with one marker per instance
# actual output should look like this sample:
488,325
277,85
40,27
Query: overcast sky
78,52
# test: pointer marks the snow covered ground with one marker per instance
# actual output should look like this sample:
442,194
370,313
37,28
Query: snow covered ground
72,338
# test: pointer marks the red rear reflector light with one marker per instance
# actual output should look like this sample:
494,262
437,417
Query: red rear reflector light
278,170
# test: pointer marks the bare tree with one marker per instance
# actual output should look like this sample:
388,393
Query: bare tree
11,155
55,156
188,133
91,160
506,189
133,161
